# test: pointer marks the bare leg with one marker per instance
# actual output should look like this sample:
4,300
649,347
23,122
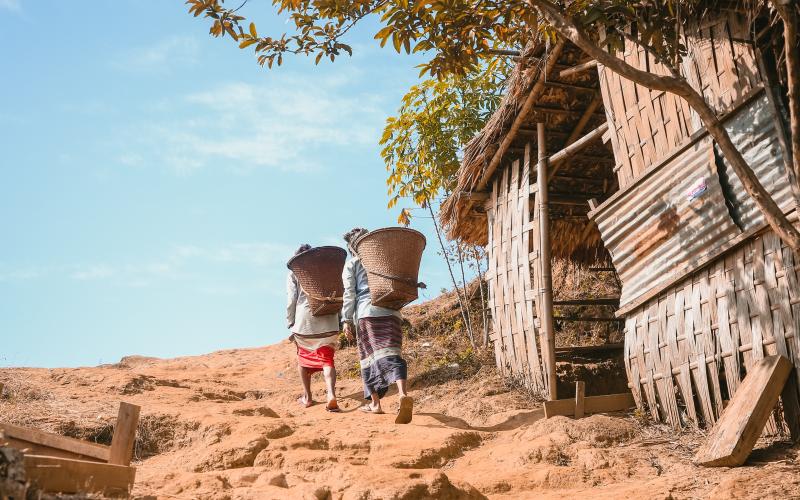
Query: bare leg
376,402
374,406
406,411
401,387
305,377
329,372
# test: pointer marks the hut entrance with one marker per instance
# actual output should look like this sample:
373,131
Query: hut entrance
585,293
537,231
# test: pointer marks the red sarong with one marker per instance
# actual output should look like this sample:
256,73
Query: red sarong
315,360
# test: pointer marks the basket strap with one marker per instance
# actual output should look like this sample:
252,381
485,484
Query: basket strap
407,281
327,300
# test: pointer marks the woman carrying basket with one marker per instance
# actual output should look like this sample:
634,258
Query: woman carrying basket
315,337
379,337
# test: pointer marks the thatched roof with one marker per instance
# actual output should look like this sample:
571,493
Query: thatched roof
561,104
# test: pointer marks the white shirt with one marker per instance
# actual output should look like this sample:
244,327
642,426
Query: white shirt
357,301
301,322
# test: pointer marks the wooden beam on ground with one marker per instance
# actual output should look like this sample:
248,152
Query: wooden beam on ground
124,434
591,404
63,475
577,69
527,104
733,436
40,440
580,389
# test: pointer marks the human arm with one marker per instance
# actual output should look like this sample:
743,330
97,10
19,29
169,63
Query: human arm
348,299
291,300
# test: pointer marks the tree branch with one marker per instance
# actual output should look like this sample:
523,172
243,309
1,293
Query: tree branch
788,14
569,29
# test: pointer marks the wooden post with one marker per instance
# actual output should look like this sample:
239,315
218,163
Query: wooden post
580,389
124,434
546,292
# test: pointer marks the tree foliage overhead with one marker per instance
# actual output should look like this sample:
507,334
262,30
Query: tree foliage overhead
457,33
422,144
460,35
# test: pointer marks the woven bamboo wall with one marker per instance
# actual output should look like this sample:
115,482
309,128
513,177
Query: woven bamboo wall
687,351
647,124
511,290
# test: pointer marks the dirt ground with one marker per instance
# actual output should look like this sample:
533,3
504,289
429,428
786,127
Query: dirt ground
226,425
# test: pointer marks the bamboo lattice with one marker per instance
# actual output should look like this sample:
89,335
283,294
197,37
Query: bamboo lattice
687,351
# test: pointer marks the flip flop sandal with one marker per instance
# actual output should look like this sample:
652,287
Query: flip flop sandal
367,409
406,411
333,409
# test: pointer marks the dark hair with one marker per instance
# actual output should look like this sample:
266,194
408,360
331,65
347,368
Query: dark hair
352,236
303,248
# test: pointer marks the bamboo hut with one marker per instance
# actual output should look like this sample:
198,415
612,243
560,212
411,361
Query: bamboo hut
579,163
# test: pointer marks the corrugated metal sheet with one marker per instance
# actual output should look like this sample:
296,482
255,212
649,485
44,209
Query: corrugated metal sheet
753,131
661,227
671,221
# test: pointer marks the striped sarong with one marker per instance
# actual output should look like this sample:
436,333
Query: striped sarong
380,342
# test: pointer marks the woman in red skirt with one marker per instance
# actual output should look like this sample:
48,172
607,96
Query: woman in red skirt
315,337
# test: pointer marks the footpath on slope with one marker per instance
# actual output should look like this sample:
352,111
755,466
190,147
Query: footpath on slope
226,425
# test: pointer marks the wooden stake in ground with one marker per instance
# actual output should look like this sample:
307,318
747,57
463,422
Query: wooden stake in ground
732,439
124,434
580,389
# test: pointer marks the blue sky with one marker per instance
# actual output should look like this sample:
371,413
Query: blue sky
154,180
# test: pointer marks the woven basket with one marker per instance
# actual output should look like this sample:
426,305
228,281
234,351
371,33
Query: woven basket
391,257
319,272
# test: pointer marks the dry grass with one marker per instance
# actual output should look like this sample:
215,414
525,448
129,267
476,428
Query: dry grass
576,281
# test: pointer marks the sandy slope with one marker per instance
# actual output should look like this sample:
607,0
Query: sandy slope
226,425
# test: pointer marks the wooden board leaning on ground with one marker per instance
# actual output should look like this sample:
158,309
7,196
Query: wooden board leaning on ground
59,464
734,435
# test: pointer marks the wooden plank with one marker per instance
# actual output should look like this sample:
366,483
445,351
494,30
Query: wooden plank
580,389
37,437
733,437
63,475
40,449
124,434
591,404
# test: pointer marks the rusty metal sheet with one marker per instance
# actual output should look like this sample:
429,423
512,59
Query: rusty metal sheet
753,130
675,218
662,227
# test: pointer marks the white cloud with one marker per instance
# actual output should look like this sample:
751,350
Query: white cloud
289,123
12,5
93,272
158,57
22,274
187,262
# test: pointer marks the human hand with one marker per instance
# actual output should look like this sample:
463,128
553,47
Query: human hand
348,332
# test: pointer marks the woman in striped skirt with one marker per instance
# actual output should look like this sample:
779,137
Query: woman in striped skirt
379,337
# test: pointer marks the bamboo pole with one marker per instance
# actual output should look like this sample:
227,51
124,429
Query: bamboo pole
522,115
546,291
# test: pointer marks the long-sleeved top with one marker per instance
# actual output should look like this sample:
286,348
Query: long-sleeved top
304,324
357,302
